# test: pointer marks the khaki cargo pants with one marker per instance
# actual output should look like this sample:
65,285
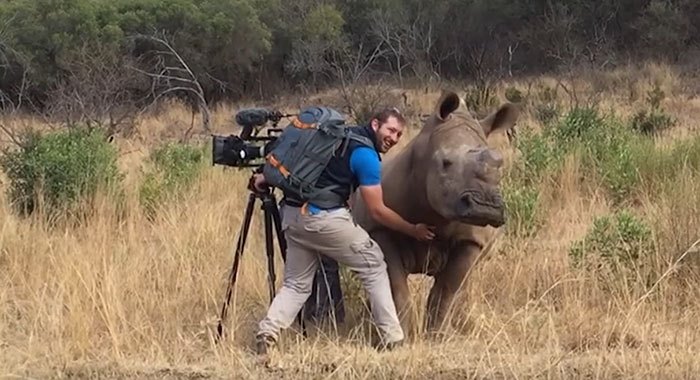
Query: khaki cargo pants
332,233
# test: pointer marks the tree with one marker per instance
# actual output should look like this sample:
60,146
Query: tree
664,29
318,37
98,88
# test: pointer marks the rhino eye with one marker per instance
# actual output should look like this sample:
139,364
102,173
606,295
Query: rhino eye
446,164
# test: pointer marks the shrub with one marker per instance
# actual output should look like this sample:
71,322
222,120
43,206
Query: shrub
610,151
514,95
619,172
60,170
615,241
520,189
173,169
480,98
655,96
537,156
652,122
522,205
581,124
615,154
655,120
621,160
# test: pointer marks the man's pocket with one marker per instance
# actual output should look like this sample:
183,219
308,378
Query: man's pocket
370,252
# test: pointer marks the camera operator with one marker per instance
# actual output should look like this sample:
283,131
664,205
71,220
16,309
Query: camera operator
333,233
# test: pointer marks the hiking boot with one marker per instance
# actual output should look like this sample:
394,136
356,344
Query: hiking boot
263,344
389,346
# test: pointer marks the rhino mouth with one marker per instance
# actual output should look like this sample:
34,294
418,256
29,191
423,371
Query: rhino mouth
482,210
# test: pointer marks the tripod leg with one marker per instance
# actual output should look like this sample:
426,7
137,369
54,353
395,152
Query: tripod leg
270,249
245,227
277,219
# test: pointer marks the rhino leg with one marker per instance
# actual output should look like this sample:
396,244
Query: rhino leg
448,282
398,277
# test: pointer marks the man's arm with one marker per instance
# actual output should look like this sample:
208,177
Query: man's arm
364,162
374,199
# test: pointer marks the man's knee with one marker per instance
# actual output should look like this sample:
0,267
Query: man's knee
299,286
379,266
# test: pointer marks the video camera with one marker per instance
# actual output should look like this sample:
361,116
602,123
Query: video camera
244,150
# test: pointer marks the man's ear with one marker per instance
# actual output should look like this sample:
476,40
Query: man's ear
501,120
374,124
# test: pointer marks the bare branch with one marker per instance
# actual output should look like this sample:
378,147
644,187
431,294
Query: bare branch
222,85
177,77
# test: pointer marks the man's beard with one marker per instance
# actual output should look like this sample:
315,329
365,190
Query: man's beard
385,146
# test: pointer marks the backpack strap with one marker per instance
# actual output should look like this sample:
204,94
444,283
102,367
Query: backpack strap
325,197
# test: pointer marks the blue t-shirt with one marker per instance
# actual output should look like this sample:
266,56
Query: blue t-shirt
365,165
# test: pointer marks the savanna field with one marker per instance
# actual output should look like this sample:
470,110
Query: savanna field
596,275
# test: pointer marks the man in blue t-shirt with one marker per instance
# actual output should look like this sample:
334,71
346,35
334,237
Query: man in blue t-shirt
331,232
326,299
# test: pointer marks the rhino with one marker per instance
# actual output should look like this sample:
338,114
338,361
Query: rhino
448,177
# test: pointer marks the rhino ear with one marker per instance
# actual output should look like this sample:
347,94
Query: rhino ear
448,103
501,120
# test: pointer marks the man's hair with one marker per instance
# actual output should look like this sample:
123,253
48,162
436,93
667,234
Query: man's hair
384,115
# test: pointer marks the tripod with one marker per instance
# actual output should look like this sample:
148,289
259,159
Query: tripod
271,215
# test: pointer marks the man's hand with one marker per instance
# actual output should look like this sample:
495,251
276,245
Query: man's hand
423,232
259,183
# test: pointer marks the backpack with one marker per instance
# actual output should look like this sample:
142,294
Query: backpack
302,152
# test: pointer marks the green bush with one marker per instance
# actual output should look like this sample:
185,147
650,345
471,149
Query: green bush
615,241
60,169
538,154
480,98
618,169
522,205
514,95
615,154
652,122
655,120
581,124
655,96
610,151
173,169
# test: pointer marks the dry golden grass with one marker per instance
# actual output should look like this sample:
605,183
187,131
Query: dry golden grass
125,297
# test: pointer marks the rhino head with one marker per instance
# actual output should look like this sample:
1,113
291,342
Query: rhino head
460,172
